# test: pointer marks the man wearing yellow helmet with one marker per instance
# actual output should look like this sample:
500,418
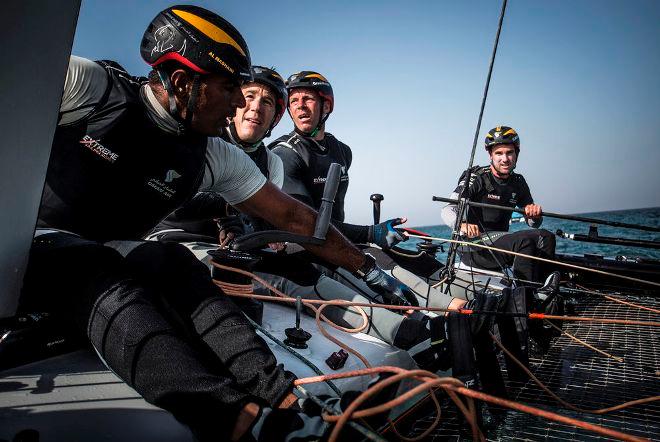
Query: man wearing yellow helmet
499,184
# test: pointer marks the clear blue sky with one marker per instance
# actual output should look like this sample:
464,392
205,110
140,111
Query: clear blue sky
578,79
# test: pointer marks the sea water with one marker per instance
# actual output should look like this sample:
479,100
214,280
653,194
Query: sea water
647,217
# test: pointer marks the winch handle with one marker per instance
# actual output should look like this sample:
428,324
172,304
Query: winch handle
328,201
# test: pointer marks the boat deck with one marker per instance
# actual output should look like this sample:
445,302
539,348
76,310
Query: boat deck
583,378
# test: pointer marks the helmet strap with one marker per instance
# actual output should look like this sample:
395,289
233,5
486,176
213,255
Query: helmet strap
174,111
167,85
318,127
272,126
192,101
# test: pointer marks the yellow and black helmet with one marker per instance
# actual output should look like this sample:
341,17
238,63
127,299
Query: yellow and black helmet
502,135
315,81
199,39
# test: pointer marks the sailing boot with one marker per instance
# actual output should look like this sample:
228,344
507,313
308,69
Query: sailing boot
549,289
546,300
481,325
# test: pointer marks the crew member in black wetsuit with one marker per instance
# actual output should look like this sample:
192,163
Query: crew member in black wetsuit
308,151
127,151
499,184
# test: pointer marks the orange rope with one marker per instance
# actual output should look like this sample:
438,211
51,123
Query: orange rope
317,311
451,386
337,341
599,320
431,427
549,415
338,302
430,380
621,301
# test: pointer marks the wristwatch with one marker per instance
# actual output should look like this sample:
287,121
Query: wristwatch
368,266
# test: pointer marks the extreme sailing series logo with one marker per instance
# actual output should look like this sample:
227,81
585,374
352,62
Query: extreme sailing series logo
99,149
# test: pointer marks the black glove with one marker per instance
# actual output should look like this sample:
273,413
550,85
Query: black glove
229,225
384,235
287,425
391,290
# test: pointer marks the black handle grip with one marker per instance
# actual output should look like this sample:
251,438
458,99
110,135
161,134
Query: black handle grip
329,192
376,198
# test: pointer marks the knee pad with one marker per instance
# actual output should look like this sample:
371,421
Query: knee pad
181,281
120,324
218,312
74,270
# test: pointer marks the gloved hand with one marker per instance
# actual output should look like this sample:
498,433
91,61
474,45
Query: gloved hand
391,290
287,425
229,227
385,236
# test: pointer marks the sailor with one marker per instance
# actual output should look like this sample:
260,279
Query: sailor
127,151
498,184
308,151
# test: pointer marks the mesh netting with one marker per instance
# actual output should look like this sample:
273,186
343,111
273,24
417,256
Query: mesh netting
582,377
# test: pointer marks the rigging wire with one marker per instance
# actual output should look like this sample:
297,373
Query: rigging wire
451,256
581,342
617,300
538,258
562,401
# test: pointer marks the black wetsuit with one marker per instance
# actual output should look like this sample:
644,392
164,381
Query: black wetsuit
149,308
512,192
306,164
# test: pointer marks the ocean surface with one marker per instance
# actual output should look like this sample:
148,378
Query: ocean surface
647,217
